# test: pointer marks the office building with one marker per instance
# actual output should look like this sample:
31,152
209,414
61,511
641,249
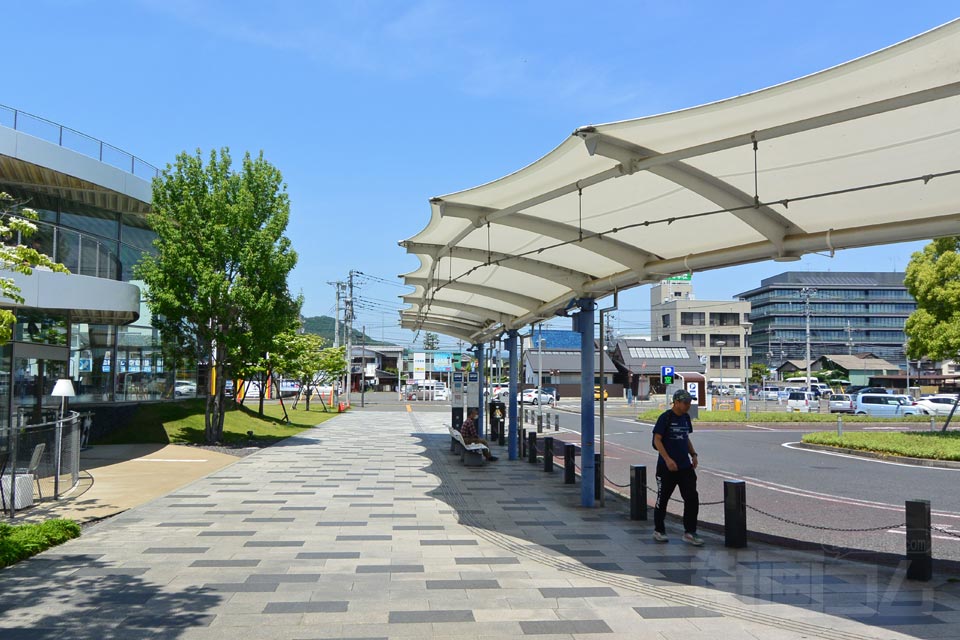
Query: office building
849,313
714,328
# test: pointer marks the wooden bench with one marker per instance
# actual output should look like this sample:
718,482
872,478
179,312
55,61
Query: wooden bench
472,455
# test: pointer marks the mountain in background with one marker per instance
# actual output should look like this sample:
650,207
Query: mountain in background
323,326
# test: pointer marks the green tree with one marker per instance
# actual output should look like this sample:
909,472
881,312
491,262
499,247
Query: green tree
16,218
933,279
431,341
758,372
300,357
217,286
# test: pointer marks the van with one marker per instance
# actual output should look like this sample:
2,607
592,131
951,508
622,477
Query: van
802,401
884,405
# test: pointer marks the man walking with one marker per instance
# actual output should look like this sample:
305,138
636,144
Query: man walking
676,468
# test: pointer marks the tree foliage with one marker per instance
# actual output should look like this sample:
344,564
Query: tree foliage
217,286
933,279
299,357
17,219
431,341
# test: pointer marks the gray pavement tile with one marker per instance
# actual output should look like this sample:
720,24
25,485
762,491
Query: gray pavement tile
240,512
108,571
578,592
676,612
342,523
225,534
483,560
169,621
184,524
274,543
415,527
312,606
463,584
293,508
223,564
279,578
560,627
264,502
328,555
540,523
269,519
604,566
168,550
370,538
448,543
406,617
390,568
234,587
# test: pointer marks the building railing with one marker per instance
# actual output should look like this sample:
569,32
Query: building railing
40,461
82,254
74,140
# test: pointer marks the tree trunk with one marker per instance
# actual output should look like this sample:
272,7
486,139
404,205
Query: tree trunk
214,416
309,393
263,391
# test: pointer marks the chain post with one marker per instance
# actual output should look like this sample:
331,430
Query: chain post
569,463
919,542
638,492
735,514
548,454
839,426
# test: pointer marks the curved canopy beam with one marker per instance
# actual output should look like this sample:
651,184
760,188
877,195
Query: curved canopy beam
479,312
633,258
561,275
493,293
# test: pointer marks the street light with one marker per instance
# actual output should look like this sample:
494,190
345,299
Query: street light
540,342
906,356
747,326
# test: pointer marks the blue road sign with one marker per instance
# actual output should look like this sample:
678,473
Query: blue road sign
666,374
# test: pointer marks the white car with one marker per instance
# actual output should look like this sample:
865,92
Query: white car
537,396
937,405
184,389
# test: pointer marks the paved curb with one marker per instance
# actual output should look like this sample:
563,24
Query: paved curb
919,462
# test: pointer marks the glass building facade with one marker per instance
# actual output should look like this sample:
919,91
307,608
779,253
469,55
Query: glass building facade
850,312
107,362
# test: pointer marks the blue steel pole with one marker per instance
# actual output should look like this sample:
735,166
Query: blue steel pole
512,406
585,320
483,385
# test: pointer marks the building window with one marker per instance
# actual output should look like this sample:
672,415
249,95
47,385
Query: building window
692,318
694,339
729,362
729,340
724,319
665,320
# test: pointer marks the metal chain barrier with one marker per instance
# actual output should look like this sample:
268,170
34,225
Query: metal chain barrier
823,528
652,490
946,531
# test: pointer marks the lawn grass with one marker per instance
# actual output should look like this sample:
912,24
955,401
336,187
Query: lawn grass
183,423
18,542
782,416
914,444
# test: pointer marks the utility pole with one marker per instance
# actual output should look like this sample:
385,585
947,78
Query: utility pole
363,366
849,339
348,328
807,292
338,286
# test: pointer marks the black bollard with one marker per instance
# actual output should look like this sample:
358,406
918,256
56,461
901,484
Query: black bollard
503,435
597,477
548,454
569,463
532,447
539,423
638,492
735,513
919,543
556,422
522,436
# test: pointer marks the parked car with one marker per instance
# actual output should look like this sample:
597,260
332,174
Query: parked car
184,389
770,393
801,401
842,403
871,390
737,389
937,405
884,405
596,393
553,391
537,396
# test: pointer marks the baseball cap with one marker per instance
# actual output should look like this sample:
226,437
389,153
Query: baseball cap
682,396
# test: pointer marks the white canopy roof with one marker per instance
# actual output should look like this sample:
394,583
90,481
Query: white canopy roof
862,154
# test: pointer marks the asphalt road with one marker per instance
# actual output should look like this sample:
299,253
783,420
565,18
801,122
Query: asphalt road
810,488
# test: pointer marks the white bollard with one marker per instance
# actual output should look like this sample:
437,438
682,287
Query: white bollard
839,426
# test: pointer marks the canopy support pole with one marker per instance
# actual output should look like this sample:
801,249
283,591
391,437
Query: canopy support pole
512,406
480,387
583,322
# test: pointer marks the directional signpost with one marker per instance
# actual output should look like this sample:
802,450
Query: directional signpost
666,377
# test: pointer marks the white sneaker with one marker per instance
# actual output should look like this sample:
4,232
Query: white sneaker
660,537
694,539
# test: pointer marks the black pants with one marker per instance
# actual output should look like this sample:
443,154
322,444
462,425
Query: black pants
667,481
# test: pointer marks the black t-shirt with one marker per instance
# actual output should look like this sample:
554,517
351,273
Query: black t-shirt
675,433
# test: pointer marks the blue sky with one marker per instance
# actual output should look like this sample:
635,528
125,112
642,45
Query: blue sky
369,108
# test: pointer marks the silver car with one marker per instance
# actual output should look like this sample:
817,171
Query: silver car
842,403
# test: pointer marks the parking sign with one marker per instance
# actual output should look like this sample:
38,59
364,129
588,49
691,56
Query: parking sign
666,374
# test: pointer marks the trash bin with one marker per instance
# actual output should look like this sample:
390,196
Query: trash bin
737,404
498,413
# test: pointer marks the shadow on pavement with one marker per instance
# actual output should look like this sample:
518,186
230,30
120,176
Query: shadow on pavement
532,513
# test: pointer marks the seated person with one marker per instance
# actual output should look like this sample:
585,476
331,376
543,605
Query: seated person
470,435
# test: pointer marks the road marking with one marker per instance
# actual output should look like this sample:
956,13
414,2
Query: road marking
753,426
165,460
409,409
853,457
903,533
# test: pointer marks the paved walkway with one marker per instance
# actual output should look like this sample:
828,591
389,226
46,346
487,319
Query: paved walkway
367,527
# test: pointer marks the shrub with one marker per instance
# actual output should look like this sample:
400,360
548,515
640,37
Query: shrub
18,542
